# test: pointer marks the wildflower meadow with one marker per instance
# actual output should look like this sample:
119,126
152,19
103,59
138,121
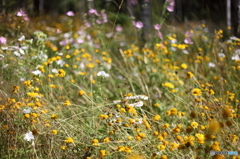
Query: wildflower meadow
89,88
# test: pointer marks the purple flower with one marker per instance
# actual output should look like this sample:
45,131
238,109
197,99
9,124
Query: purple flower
70,13
157,26
3,40
188,39
138,24
93,12
170,6
160,35
21,13
119,28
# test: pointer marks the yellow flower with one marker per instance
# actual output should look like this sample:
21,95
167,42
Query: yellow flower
54,116
190,75
165,126
194,124
61,73
157,118
102,153
67,103
173,111
184,66
69,140
95,142
107,139
156,105
161,147
168,84
63,147
81,93
200,138
54,132
196,92
164,157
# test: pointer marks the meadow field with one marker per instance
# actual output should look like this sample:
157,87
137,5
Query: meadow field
89,88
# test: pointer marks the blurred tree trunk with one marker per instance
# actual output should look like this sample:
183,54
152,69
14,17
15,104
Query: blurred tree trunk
145,15
90,4
179,11
228,13
81,6
235,20
40,7
3,6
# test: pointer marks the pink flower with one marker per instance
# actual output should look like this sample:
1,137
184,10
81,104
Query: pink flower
170,6
157,26
138,24
93,12
188,39
3,40
21,13
70,13
119,28
160,35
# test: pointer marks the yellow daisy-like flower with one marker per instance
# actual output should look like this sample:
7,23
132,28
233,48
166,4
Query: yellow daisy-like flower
184,66
168,84
67,103
95,142
61,73
81,93
194,124
69,140
196,92
190,75
54,132
157,118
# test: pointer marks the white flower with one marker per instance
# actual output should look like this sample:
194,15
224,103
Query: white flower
27,110
221,54
28,136
210,64
138,104
103,73
54,70
37,72
60,62
21,38
117,101
16,54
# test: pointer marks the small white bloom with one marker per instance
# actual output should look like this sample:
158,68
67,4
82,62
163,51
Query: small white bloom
16,54
221,54
37,72
54,70
60,62
21,38
28,136
210,64
116,101
138,104
103,73
27,110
